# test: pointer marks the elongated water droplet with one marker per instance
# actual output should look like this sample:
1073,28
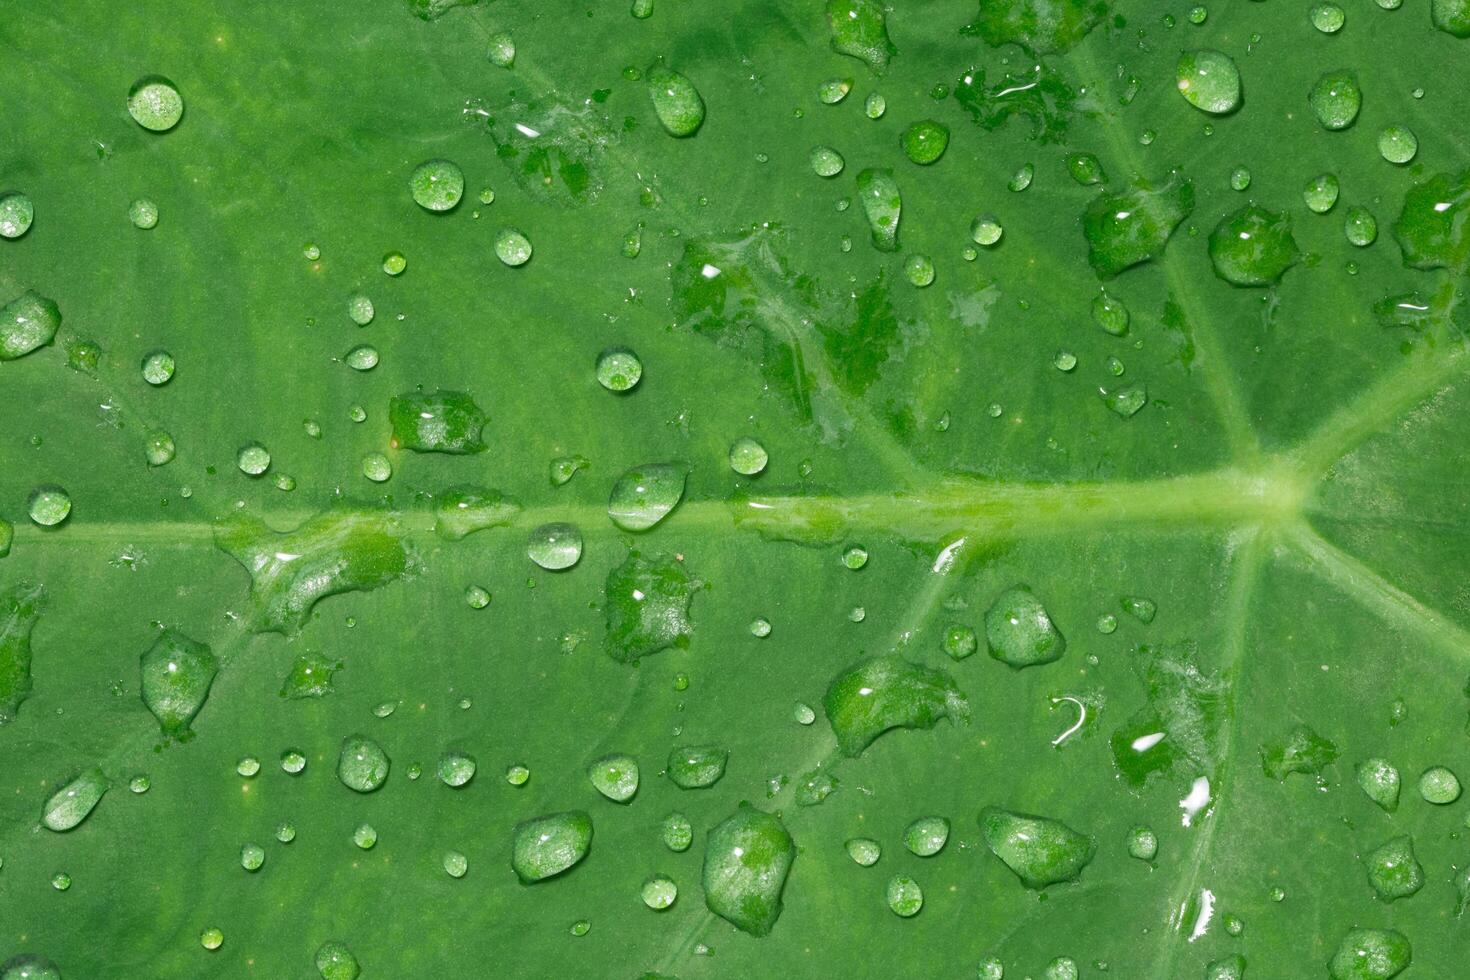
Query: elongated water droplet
462,511
1371,954
1209,81
645,495
882,205
1040,850
888,692
27,323
678,833
501,50
20,608
71,804
437,422
362,764
550,845
676,101
1379,781
697,766
512,247
1019,630
746,860
926,836
1301,750
176,674
555,547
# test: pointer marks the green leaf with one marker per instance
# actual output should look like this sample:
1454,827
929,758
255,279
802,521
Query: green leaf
668,447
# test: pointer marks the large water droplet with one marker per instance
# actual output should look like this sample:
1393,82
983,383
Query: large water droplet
860,30
1019,630
905,897
334,961
1371,954
697,766
464,510
645,495
1040,850
1209,81
1133,226
437,422
362,765
676,101
925,141
550,845
176,674
1335,99
436,185
27,323
154,103
647,606
1302,750
555,547
71,804
888,692
1393,870
926,836
882,205
746,860
16,214
1253,247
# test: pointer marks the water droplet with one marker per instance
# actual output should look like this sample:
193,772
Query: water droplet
1133,226
1019,630
27,323
143,213
1209,81
1398,144
1253,247
563,468
645,495
1393,870
1040,850
615,777
860,30
882,205
834,90
746,860
517,775
1302,750
926,836
1439,786
924,142
826,162
642,9
555,547
676,101
394,263
1379,781
512,247
158,367
211,938
1370,954
1320,193
864,851
476,598
1107,624
678,832
1335,99
1450,16
439,421
360,309
362,765
456,865
1022,178
959,641
252,856
619,369
747,457
248,766
365,837
1109,313
48,506
16,214
1240,179
334,961
647,606
176,674
61,881
363,357
1360,226
1086,169
436,185
140,784
1328,18
1143,843
803,713
70,805
905,897
456,768
501,51
253,459
154,103
697,766
549,845
888,692
659,891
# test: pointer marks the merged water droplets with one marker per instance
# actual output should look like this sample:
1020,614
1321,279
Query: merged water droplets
1020,631
1127,228
860,30
1253,247
1040,850
440,421
1371,954
888,692
647,606
882,206
746,860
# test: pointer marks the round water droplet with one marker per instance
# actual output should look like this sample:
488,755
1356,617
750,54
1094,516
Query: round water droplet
501,51
285,833
926,836
1107,624
211,938
1335,99
1328,18
826,162
154,103
365,836
293,762
555,547
1398,144
16,214
855,557
1240,179
1360,226
1022,178
376,467
253,459
517,775
1209,81
1143,843
905,897
456,769
925,141
512,247
456,865
659,891
864,851
362,764
760,628
919,270
803,713
360,309
1439,785
619,369
476,597
436,185
61,881
394,263
875,105
747,457
1064,361
678,832
248,766
334,961
48,506
158,368
676,102
252,856
140,784
143,213
985,230
960,641
1109,313
1320,193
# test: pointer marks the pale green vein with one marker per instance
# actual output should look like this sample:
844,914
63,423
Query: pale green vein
1386,600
